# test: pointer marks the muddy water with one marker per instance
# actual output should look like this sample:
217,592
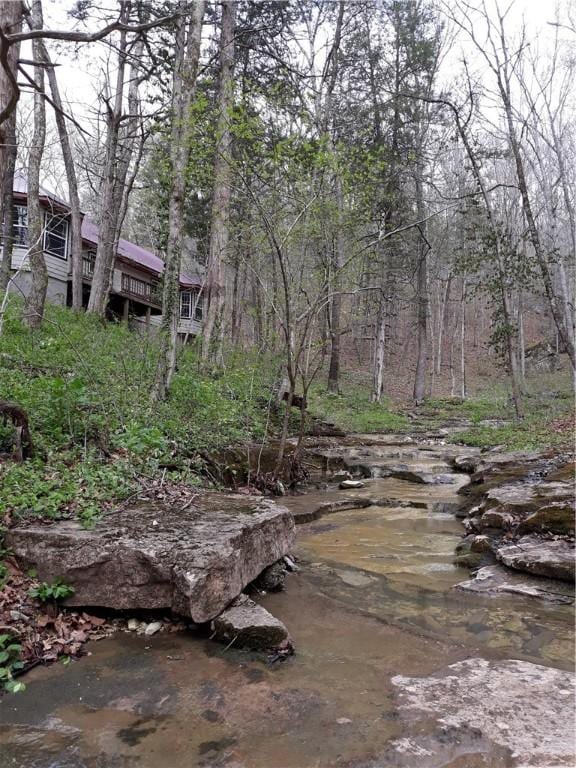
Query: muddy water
373,599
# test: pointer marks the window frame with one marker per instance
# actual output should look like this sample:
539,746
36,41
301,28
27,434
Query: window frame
19,242
47,216
188,295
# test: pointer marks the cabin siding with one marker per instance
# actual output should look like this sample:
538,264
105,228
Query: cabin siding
57,268
56,292
191,327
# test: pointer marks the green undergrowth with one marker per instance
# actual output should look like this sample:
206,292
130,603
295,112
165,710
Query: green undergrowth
352,411
548,420
86,385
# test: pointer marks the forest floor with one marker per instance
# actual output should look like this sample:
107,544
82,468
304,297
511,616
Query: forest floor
488,414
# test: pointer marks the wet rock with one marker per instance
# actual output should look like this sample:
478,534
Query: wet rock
272,578
494,518
464,556
193,562
481,543
340,477
496,580
133,625
248,625
447,508
152,628
554,558
355,578
312,513
320,428
351,484
427,478
556,516
519,706
466,463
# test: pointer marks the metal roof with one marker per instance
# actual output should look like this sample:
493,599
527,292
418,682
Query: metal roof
126,250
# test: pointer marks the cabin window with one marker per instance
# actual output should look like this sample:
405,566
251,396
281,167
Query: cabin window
185,305
191,305
20,225
55,235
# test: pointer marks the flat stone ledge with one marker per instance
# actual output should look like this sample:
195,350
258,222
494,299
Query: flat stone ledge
522,707
193,562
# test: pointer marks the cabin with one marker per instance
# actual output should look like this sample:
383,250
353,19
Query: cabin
136,294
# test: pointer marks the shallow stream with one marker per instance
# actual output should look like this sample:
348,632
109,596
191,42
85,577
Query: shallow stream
373,598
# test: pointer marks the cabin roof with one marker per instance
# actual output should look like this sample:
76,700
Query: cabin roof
127,251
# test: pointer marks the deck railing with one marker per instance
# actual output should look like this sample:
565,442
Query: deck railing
141,289
88,265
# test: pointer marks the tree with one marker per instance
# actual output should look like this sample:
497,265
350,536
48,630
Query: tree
220,219
186,58
70,167
33,312
503,64
121,137
10,22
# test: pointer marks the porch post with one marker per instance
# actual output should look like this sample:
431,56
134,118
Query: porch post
126,310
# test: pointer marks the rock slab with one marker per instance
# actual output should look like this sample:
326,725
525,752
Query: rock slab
543,557
194,562
248,625
496,580
522,707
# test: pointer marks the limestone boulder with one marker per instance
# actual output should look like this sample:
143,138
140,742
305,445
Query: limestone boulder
496,580
554,558
495,518
193,561
557,516
248,625
523,708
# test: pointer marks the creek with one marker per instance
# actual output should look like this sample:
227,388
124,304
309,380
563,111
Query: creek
373,599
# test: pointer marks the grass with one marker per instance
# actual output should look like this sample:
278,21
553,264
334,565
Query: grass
352,411
548,421
86,388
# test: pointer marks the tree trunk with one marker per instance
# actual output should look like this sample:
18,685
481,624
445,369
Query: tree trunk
336,303
463,387
75,213
422,298
220,230
108,219
10,21
33,313
187,56
444,309
7,207
379,357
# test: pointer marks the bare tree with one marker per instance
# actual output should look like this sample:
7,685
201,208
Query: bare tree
503,63
69,165
121,138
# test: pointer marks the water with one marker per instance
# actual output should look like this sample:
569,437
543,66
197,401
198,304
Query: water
373,599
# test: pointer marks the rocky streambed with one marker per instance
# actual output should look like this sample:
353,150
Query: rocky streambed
402,659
